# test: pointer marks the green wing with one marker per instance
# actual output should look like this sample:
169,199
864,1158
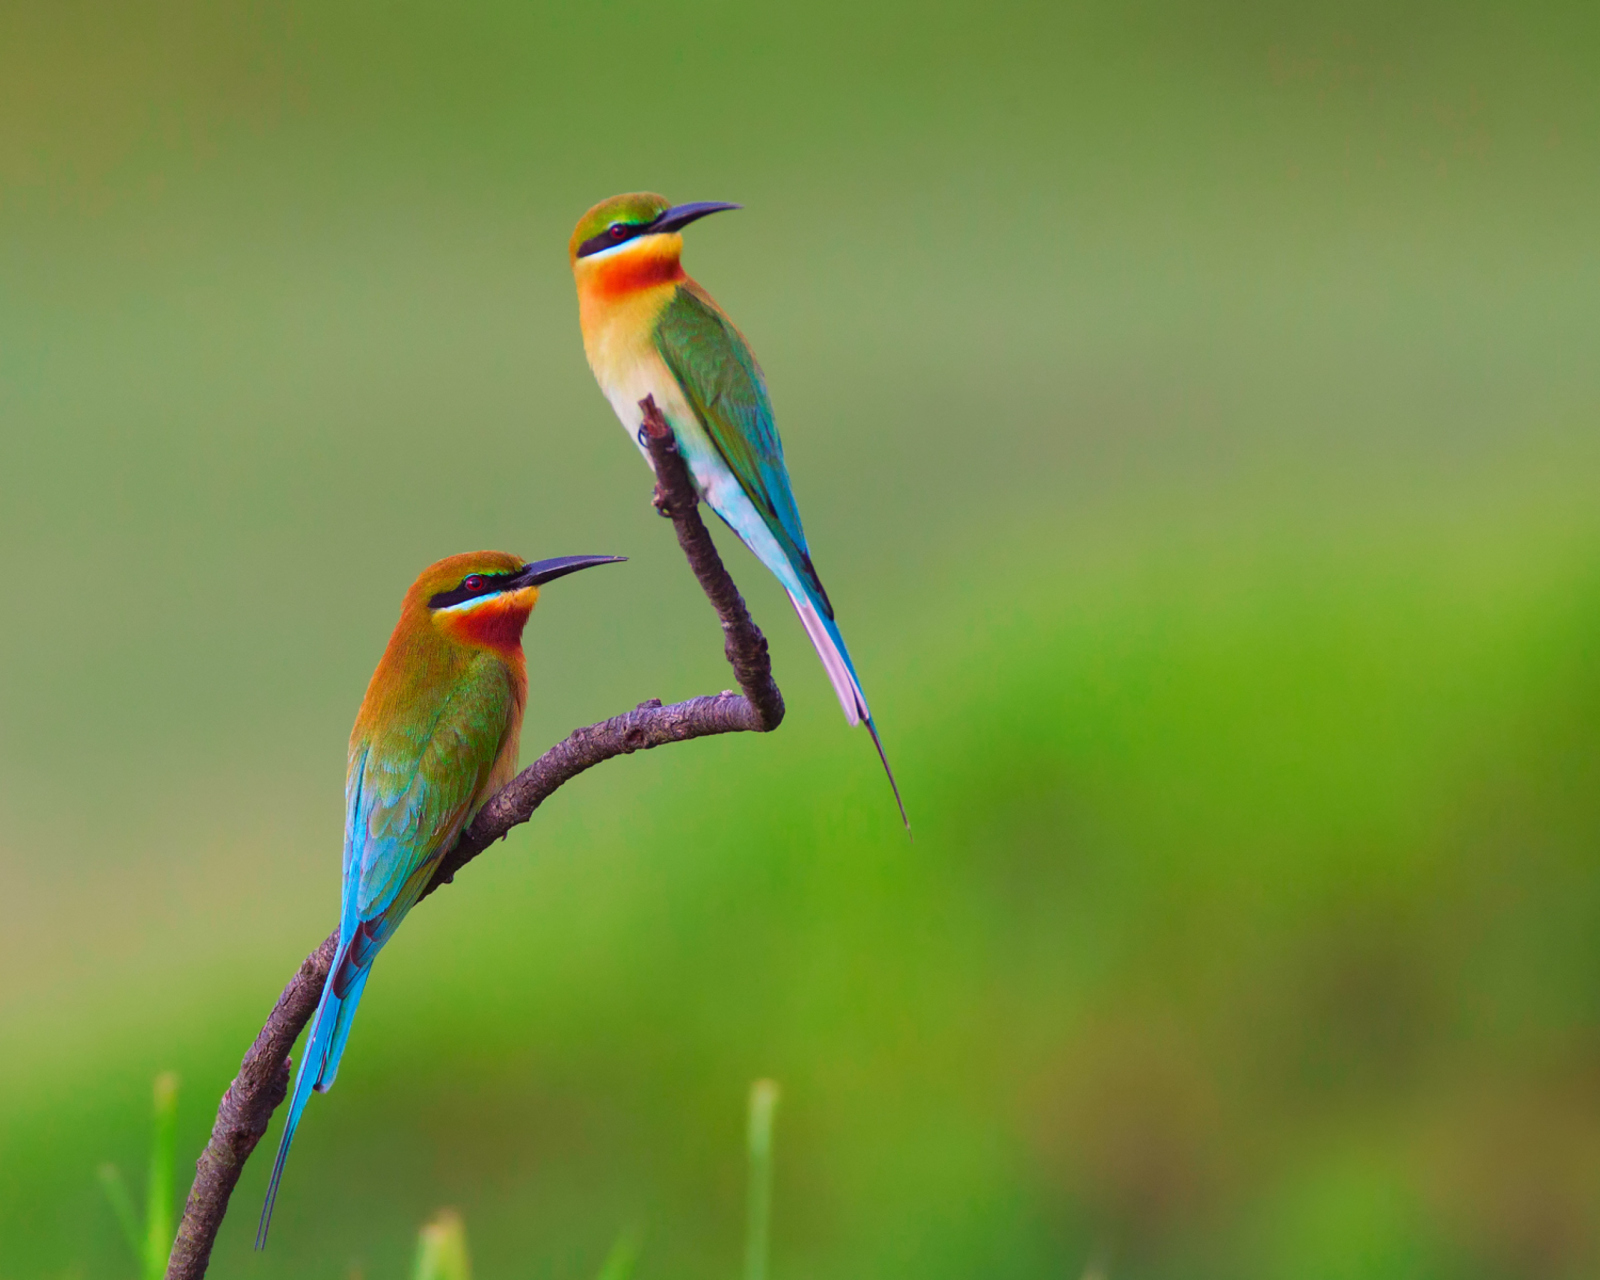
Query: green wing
724,385
410,795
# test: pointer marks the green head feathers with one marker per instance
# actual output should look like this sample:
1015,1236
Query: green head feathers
635,209
625,217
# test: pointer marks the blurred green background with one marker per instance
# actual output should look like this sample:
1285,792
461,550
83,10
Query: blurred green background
1194,411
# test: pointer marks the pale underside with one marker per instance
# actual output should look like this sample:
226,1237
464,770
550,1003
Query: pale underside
628,368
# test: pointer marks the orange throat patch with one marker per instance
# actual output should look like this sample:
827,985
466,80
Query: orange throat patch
642,264
494,623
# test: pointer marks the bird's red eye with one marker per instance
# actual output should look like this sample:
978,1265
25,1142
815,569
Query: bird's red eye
472,582
618,231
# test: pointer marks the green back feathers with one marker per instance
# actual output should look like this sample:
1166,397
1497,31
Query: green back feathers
412,786
724,385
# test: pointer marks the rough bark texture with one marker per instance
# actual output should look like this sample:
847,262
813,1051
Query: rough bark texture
743,644
263,1079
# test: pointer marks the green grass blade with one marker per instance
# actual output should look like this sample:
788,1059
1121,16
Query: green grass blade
158,1198
122,1206
442,1249
758,1224
622,1259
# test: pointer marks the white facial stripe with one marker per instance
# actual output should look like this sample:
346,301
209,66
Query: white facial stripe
618,250
467,606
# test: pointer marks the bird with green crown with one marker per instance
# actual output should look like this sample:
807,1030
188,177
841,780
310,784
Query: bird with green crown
649,330
436,736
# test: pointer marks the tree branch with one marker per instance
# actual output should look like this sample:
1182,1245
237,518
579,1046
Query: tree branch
247,1107
263,1079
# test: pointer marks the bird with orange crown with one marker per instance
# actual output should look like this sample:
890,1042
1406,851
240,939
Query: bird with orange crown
436,736
649,330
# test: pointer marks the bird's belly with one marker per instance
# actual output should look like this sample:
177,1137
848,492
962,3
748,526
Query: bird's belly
628,382
713,478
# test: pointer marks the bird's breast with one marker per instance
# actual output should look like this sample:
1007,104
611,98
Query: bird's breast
619,340
619,329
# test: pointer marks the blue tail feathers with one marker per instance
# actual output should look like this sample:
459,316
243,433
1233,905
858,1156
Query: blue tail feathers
343,1018
789,560
319,1064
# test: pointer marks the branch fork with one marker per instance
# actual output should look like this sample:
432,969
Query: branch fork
263,1080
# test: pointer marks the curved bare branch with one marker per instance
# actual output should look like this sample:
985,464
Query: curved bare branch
263,1080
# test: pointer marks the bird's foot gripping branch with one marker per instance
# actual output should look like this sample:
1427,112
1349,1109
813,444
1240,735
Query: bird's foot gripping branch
263,1080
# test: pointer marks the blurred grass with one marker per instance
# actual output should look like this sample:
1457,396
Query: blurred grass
763,1108
442,1249
1244,924
1193,408
151,1244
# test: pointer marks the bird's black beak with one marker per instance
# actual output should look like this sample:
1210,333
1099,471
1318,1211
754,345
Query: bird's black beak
542,571
681,215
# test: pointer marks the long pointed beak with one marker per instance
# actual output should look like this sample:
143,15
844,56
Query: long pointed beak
681,215
542,571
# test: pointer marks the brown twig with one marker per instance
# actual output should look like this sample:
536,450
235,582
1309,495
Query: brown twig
743,644
263,1079
247,1107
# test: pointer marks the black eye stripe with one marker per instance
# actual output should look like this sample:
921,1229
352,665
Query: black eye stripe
608,239
490,584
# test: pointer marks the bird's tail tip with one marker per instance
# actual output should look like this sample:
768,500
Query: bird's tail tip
893,785
265,1224
315,1075
829,644
303,1084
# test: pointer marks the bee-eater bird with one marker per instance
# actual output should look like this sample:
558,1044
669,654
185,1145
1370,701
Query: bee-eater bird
649,330
436,736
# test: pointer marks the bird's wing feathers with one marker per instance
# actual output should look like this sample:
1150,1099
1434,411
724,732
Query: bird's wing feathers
417,785
413,781
719,375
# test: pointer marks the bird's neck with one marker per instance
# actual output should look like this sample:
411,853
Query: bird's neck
420,666
643,263
495,626
629,284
